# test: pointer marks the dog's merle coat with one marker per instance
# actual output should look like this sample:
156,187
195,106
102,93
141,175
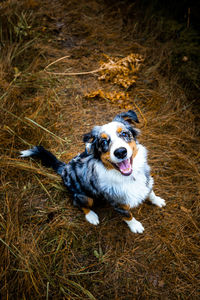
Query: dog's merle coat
113,167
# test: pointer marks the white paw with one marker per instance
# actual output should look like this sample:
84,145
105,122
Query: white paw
135,226
92,218
159,201
156,200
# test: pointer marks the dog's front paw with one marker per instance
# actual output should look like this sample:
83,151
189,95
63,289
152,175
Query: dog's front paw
135,226
92,218
156,200
159,201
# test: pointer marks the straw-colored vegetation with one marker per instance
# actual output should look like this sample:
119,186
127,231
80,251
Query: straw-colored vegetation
47,249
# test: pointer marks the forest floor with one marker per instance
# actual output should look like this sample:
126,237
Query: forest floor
47,248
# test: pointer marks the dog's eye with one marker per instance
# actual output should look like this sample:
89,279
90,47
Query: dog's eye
125,134
104,143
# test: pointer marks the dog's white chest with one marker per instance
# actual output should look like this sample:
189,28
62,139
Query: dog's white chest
136,191
124,190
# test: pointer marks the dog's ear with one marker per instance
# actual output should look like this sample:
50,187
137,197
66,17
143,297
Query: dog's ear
87,137
128,116
90,140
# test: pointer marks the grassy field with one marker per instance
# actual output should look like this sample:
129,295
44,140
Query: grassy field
47,249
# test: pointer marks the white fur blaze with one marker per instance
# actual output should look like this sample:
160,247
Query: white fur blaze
26,153
156,200
135,226
92,218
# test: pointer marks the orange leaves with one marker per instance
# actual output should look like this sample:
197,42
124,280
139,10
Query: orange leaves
121,98
121,71
113,96
96,94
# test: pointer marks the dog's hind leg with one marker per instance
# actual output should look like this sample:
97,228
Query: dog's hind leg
156,200
132,223
85,203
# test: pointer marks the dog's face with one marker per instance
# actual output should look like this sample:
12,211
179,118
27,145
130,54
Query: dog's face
115,143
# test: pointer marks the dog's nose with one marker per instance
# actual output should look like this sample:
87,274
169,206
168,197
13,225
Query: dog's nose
120,152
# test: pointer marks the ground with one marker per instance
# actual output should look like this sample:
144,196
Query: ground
47,248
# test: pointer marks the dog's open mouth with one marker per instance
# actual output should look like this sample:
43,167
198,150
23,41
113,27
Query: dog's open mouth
125,166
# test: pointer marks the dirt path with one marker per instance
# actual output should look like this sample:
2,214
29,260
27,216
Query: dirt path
48,249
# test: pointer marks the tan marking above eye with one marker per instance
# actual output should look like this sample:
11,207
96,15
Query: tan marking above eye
119,129
104,135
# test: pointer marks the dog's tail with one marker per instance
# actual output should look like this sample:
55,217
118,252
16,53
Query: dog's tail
46,157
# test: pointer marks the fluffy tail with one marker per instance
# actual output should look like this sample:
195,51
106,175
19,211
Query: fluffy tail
46,157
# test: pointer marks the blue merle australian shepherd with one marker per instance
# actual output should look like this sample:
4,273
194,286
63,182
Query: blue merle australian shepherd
113,167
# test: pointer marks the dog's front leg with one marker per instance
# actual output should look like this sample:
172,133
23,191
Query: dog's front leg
85,203
156,200
132,223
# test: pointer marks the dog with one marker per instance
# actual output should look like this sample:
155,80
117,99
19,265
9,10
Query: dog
113,167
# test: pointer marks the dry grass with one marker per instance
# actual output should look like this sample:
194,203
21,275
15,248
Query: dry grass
47,249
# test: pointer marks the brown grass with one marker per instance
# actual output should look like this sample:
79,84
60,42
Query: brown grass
47,249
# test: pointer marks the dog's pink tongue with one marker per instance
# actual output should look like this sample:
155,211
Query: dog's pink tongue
125,167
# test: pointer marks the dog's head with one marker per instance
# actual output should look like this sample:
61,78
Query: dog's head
115,143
